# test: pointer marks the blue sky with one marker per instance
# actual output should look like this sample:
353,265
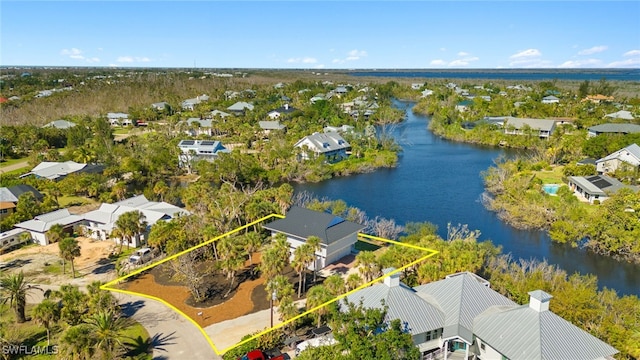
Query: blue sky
321,34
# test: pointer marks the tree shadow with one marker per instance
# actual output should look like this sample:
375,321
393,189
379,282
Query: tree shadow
140,346
131,307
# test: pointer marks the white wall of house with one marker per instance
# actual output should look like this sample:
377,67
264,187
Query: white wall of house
608,166
340,248
39,238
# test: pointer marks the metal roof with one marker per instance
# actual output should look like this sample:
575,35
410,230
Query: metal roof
324,142
599,184
302,223
60,124
535,124
12,193
521,332
630,154
43,223
462,297
240,106
404,304
615,128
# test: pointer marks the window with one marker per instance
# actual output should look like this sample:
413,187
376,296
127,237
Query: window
483,347
4,211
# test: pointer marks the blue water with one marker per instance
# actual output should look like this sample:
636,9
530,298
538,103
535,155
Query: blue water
551,189
510,74
439,181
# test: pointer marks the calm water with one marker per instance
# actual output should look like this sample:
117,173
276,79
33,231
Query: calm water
439,181
510,74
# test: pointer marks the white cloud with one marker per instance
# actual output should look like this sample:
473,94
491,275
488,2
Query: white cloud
319,66
462,53
464,61
438,62
580,63
305,60
593,50
71,52
352,55
632,53
443,49
625,63
132,59
93,60
529,53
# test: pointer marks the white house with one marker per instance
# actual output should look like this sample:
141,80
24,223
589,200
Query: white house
629,155
461,314
196,150
596,187
337,235
189,104
101,222
39,225
550,100
283,110
542,128
116,119
54,170
329,144
622,114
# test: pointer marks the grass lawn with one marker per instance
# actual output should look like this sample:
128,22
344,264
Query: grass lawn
12,161
121,131
66,201
551,177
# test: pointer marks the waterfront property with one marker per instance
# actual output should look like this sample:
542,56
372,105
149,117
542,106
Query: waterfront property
625,157
595,189
543,128
337,235
462,316
330,144
613,129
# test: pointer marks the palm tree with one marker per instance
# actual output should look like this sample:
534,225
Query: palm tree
78,342
47,313
316,244
271,263
353,281
365,261
335,284
14,291
129,225
251,244
281,246
160,189
107,327
317,296
69,250
299,266
55,233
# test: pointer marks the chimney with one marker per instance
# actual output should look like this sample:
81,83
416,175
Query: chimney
539,300
286,106
393,280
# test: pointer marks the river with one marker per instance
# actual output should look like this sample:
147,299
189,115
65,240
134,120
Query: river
439,181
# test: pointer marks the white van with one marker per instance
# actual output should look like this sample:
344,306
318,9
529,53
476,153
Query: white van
315,342
141,256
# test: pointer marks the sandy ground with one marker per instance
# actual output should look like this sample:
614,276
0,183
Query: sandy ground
91,265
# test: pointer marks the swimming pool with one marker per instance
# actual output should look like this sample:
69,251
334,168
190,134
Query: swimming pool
551,189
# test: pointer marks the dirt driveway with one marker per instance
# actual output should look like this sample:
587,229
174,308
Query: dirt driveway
41,264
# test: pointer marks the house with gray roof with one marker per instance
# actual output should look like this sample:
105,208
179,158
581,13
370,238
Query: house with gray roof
39,225
628,157
268,126
160,106
117,119
100,223
331,145
197,126
337,235
622,114
60,124
220,114
9,197
461,314
283,110
542,128
532,331
240,107
190,104
192,151
613,129
596,187
53,170
550,100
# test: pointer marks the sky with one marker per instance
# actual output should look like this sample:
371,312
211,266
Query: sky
321,34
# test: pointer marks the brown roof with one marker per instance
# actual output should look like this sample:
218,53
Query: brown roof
7,205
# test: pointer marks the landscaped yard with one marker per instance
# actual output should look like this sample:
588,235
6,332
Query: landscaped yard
554,176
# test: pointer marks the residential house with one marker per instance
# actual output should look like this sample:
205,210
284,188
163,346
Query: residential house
318,97
39,225
340,90
629,156
160,106
542,128
339,129
597,99
197,126
462,315
596,188
550,100
283,110
219,114
9,197
269,126
426,92
331,145
337,235
117,119
190,104
196,150
99,223
417,86
622,114
59,170
613,129
464,105
240,107
59,124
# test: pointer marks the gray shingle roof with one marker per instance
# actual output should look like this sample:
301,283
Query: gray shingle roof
43,223
633,150
60,124
54,170
271,125
536,124
302,223
520,332
12,193
599,184
325,142
240,106
462,297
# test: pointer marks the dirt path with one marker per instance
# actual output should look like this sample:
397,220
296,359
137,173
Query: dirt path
12,167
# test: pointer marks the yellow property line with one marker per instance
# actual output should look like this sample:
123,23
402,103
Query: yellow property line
108,286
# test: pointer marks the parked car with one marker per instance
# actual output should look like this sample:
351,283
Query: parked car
259,355
141,256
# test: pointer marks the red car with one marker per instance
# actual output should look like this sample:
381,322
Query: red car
259,355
